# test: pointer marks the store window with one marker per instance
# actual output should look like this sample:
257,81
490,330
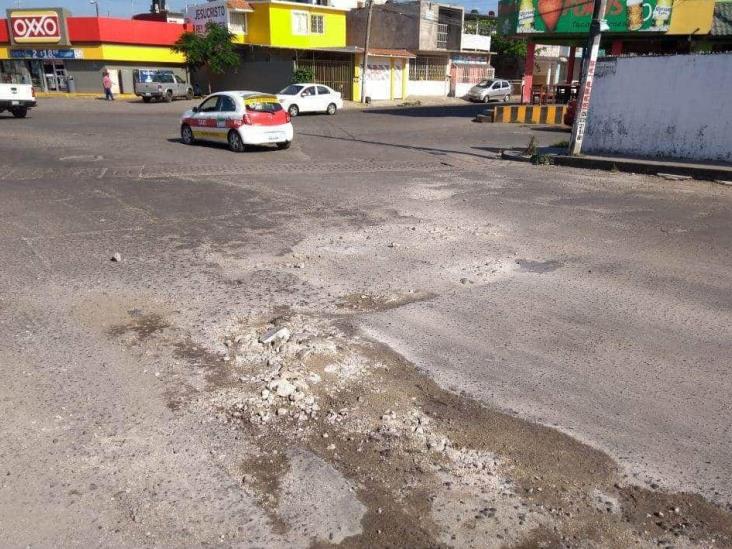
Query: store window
316,24
299,22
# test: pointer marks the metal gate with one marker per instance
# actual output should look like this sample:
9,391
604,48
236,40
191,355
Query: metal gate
464,75
338,74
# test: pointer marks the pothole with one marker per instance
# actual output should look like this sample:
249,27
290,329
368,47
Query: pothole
424,466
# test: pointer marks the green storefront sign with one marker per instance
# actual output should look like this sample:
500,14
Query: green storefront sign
574,16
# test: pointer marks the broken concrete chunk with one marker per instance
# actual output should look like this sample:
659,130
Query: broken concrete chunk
274,335
116,258
284,388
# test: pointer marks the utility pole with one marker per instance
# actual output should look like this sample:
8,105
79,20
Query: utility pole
588,75
366,51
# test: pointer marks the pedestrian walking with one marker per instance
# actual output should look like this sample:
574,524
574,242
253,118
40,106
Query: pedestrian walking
107,84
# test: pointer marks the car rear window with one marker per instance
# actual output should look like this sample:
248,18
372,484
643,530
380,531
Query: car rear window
167,78
264,103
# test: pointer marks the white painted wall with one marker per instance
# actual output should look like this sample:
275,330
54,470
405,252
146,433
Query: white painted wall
676,107
428,87
378,78
476,42
462,88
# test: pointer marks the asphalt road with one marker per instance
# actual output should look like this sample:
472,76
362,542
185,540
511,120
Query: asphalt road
596,303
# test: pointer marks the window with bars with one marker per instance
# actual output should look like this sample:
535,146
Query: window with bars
299,22
238,22
428,68
442,35
316,24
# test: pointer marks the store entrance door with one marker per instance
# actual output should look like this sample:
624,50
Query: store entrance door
56,78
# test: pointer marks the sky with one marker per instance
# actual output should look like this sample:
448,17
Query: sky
125,8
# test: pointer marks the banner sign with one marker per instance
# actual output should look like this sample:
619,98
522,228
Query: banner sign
46,54
198,16
557,17
39,26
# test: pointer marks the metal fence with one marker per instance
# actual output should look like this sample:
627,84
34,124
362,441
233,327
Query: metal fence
472,73
428,68
338,74
442,35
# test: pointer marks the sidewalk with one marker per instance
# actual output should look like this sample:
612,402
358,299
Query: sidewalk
410,101
668,168
671,169
81,95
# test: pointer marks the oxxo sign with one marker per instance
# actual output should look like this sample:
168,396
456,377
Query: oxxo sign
42,26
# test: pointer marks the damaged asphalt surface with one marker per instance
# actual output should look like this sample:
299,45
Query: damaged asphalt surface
477,353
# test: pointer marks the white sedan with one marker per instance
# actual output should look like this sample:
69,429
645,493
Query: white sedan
297,98
238,118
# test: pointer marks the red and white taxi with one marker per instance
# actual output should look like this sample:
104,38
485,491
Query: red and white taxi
238,118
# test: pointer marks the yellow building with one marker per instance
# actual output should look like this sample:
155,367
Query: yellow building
295,25
277,37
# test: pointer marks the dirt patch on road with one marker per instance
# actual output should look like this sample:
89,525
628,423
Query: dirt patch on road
432,468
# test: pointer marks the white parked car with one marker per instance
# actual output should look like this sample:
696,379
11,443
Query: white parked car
297,98
238,118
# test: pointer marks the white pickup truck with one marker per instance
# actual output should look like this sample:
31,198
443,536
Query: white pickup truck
164,86
17,98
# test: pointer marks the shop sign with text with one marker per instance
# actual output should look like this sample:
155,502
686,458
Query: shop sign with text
517,17
46,54
37,26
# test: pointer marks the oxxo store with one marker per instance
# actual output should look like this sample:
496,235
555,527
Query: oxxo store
59,53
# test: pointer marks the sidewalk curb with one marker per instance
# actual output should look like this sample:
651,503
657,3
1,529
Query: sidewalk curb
82,95
712,173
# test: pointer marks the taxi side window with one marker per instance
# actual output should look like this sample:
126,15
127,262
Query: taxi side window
323,91
227,104
308,91
209,105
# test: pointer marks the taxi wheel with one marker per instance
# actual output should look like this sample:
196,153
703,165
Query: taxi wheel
186,135
285,145
147,99
487,99
168,97
332,109
507,99
19,112
294,110
189,94
235,142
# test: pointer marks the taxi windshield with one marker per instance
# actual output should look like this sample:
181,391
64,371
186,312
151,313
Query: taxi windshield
294,89
485,83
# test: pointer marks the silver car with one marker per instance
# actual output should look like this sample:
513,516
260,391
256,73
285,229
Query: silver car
490,90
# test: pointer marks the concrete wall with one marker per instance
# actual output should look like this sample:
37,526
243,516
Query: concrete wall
675,106
410,25
428,87
261,69
88,74
389,28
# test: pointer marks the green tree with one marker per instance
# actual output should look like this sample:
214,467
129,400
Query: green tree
508,46
213,50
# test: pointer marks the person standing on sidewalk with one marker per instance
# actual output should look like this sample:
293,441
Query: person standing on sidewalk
107,84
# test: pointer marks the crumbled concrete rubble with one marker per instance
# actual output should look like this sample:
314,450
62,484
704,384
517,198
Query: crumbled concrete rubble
423,466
